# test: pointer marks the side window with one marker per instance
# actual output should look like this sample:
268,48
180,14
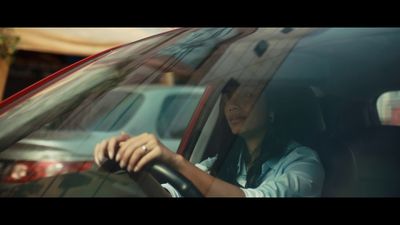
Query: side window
176,111
388,106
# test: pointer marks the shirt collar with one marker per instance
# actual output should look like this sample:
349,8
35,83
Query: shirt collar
273,161
269,163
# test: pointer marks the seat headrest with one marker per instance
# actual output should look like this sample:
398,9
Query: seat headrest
297,110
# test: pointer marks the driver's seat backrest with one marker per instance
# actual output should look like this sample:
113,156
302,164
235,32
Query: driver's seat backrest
340,167
300,115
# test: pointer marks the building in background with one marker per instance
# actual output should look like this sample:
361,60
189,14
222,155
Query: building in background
29,67
43,51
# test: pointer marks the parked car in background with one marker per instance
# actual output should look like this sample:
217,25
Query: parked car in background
153,109
329,83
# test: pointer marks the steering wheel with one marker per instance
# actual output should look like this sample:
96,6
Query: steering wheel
163,173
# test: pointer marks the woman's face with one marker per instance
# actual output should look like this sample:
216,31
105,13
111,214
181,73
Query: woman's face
245,109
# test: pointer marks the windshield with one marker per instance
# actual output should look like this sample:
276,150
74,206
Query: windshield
136,88
111,94
159,85
198,90
153,86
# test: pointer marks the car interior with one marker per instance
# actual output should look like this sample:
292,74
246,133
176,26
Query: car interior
360,157
332,108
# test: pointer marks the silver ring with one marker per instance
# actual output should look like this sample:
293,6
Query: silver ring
145,149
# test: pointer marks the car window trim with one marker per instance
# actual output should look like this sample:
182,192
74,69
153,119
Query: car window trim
194,119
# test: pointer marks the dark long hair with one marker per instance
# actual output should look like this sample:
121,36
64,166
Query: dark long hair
232,146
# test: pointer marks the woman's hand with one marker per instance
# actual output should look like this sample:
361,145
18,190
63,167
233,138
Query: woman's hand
138,151
107,148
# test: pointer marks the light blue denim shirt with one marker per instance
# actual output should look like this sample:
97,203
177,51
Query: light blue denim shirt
298,173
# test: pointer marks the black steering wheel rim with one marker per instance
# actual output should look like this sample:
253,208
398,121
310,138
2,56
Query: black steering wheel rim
162,173
183,185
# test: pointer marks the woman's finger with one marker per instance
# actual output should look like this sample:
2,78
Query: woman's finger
113,144
101,150
136,156
125,156
152,155
95,154
123,136
111,147
134,147
132,142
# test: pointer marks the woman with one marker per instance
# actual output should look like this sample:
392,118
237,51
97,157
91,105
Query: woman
261,163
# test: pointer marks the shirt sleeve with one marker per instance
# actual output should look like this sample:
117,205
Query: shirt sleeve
205,165
302,176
